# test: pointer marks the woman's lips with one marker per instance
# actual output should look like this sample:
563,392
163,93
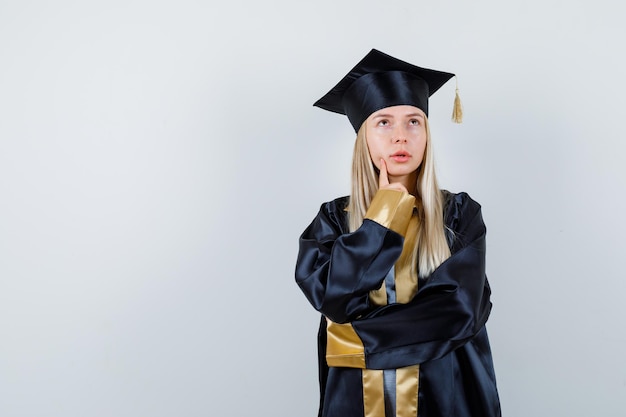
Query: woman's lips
400,156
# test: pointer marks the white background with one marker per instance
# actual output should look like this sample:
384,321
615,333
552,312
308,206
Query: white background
159,159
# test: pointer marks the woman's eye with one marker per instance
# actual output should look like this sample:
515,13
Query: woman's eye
414,122
383,123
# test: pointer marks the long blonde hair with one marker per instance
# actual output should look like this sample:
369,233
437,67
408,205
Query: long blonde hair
431,247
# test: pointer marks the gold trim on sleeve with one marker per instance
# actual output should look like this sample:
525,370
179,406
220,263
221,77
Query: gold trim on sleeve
392,209
344,348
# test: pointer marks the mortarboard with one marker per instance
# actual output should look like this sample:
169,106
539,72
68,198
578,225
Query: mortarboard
380,80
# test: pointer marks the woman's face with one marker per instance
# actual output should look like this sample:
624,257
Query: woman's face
397,134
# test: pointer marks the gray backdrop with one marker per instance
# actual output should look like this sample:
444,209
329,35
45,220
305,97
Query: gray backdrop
159,159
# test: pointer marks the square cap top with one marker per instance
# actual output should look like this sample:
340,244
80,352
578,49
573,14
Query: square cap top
378,81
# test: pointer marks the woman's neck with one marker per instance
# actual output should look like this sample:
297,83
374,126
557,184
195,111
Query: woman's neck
409,181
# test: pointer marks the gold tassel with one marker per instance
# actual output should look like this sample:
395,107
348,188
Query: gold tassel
457,111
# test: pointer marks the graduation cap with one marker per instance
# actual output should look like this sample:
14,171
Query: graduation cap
380,80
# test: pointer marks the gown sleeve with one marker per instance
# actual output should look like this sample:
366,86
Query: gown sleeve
336,270
449,309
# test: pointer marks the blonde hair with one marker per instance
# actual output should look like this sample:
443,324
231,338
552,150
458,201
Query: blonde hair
431,247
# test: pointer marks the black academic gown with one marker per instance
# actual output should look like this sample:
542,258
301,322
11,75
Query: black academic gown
442,329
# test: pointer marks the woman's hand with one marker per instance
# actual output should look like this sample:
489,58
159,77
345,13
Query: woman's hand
383,179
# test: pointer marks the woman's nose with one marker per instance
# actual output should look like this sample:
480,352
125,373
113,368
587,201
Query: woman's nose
399,136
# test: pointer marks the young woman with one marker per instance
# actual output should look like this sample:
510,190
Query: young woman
397,269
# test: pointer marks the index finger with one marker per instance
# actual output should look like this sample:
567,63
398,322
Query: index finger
383,179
